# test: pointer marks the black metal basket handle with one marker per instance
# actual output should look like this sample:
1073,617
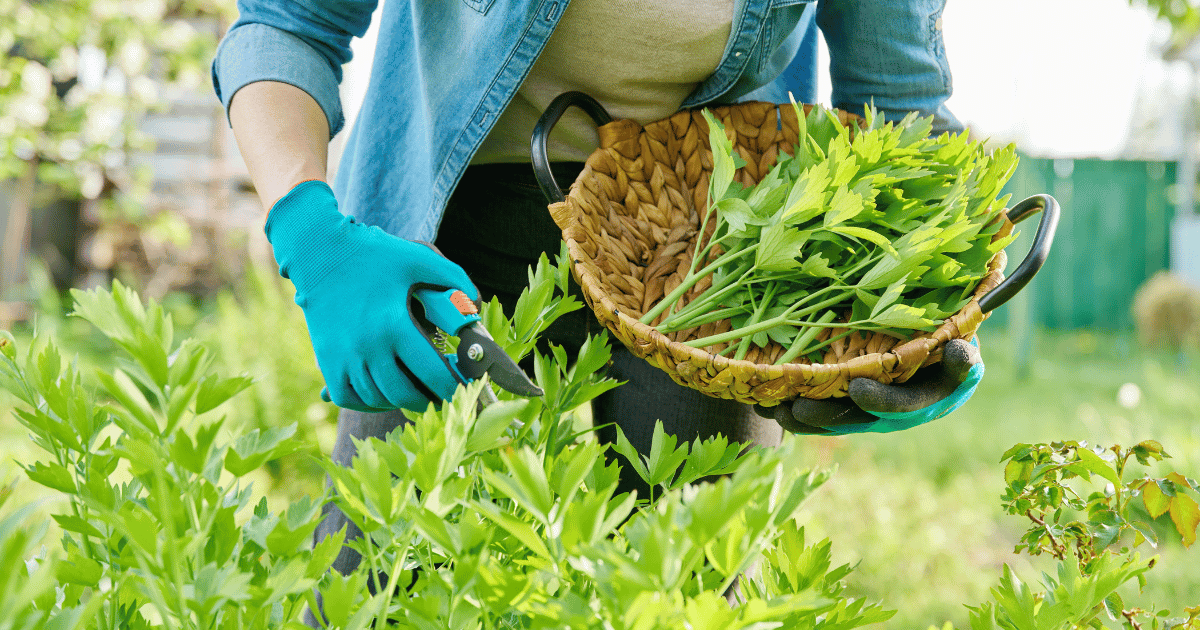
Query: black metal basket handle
541,132
1036,257
1011,285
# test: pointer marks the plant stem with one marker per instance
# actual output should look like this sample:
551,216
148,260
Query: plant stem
683,318
805,338
830,340
691,280
1058,550
768,294
767,324
701,320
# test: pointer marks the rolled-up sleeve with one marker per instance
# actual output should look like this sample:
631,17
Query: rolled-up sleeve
299,42
890,53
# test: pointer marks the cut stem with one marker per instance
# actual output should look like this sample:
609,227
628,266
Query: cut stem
805,338
691,280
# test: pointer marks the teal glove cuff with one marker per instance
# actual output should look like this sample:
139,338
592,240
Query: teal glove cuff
899,421
305,221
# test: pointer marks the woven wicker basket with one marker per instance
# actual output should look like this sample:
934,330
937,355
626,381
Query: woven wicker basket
631,225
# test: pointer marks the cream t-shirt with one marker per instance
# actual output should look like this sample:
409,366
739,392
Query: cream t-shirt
639,58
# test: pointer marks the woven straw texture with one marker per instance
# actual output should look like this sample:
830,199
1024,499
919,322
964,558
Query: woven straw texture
631,226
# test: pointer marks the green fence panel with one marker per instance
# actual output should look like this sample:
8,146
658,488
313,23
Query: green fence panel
1113,235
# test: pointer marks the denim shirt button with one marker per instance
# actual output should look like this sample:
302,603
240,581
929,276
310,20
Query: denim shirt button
938,24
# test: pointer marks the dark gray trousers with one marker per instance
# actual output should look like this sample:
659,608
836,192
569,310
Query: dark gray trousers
496,225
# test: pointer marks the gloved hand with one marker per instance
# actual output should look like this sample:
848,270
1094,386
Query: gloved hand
873,407
355,284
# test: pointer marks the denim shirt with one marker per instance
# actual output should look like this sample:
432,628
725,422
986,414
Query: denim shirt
444,70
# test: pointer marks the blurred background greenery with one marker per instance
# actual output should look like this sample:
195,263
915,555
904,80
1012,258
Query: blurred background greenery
116,162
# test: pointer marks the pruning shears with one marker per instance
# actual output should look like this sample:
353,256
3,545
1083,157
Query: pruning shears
451,311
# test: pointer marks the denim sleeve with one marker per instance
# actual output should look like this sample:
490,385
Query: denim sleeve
889,52
300,42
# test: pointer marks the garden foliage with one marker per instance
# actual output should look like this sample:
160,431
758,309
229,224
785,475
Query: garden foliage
505,516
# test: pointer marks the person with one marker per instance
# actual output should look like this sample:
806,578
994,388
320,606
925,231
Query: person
439,153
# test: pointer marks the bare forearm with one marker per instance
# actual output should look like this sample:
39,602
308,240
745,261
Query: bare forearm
283,136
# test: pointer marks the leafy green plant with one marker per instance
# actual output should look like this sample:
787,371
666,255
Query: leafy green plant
256,329
1092,536
501,517
881,229
153,487
498,516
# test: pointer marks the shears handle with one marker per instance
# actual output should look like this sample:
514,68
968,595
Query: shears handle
448,309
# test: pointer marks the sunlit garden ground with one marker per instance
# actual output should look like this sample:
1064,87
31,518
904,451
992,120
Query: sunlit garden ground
919,511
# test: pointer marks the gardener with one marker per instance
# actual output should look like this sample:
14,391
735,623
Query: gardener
440,152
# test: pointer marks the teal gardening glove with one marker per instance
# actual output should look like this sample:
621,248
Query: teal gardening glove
873,407
355,285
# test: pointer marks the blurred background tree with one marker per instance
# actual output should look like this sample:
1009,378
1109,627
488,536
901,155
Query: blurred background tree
76,82
1184,18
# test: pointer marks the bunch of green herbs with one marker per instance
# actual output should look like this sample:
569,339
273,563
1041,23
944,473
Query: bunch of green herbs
876,228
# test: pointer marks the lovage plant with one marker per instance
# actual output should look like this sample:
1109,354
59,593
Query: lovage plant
502,517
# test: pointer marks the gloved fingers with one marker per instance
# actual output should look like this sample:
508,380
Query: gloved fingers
829,412
403,389
363,383
423,365
783,415
345,398
958,357
927,387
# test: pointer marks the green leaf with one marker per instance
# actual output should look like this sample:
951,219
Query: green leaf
817,266
523,531
1157,503
713,456
904,316
665,458
867,235
1114,606
177,405
79,569
624,447
215,390
889,296
572,466
723,163
779,247
739,216
492,422
76,524
1147,450
52,476
844,206
194,457
342,594
806,200
132,400
258,447
1094,463
889,270
526,484
324,553
141,527
1186,516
